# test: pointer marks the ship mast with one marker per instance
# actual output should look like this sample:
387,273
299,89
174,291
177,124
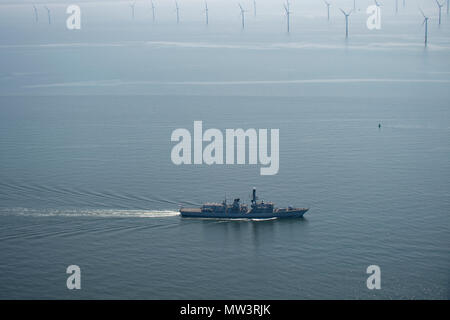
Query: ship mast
254,197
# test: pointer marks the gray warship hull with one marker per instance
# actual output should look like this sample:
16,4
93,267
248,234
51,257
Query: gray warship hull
197,213
258,210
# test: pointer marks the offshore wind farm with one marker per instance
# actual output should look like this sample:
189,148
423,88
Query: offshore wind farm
276,6
132,7
48,14
86,175
425,24
153,11
346,15
288,14
242,16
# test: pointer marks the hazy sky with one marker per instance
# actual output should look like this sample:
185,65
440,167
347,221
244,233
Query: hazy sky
113,51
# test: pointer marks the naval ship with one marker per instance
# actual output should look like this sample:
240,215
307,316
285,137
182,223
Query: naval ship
258,210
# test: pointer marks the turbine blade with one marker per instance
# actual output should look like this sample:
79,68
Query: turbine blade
422,12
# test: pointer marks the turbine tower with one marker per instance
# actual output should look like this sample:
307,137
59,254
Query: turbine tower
243,16
132,5
288,14
328,9
206,13
177,9
346,15
48,15
396,6
354,5
153,11
440,9
425,21
36,16
254,8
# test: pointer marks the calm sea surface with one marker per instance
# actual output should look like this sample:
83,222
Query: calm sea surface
91,183
86,176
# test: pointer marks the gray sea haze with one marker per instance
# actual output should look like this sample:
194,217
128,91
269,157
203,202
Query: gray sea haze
86,176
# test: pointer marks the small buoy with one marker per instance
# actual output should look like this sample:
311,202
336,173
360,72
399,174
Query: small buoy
379,125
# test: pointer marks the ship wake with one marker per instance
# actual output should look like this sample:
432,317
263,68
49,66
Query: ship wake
100,213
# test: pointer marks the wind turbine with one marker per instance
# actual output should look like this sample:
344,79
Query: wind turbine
425,21
440,9
328,9
447,6
242,15
132,5
177,8
396,6
36,16
48,15
346,20
153,11
254,8
288,13
206,13
354,5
